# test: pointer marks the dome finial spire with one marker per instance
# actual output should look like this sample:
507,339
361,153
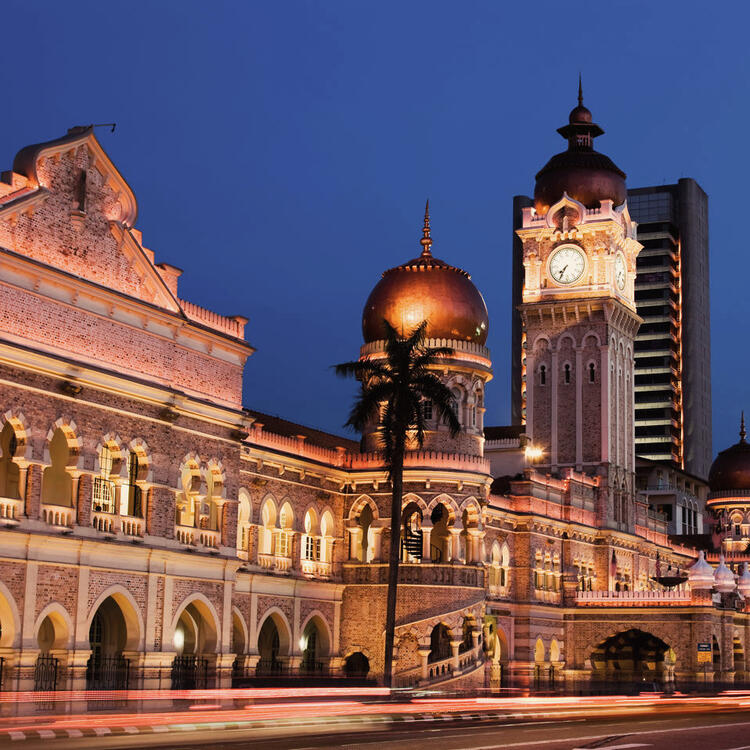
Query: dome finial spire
580,91
426,240
742,427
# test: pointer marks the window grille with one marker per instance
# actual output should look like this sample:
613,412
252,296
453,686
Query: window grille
283,545
427,409
312,548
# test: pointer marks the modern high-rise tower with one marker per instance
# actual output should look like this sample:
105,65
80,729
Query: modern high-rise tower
672,347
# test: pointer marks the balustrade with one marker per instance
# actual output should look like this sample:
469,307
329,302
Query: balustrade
316,568
104,522
274,562
131,525
10,509
58,515
436,574
632,598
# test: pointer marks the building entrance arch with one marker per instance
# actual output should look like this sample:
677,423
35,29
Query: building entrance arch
109,637
632,658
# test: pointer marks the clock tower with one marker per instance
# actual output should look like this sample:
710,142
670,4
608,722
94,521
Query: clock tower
579,320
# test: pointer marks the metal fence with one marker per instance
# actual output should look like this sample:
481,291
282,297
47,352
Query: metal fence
107,672
189,673
45,673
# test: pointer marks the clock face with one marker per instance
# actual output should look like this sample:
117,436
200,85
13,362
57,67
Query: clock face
620,271
567,264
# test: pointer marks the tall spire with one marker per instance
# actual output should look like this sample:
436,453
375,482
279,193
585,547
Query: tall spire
580,91
742,427
426,240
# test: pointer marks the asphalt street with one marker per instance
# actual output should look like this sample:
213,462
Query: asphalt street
714,731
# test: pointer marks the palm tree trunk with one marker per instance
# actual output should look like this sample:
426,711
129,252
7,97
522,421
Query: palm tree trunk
397,482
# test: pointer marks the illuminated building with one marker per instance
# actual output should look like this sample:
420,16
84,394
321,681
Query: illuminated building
155,532
673,346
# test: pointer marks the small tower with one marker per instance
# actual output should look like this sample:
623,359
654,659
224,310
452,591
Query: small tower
579,319
427,288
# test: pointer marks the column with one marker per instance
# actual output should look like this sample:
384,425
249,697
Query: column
454,545
426,537
455,645
81,496
355,543
424,655
580,375
377,543
33,492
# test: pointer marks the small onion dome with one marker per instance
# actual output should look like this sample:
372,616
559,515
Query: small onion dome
582,173
743,585
730,470
426,289
724,578
701,574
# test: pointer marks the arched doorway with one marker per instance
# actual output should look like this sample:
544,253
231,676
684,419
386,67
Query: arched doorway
273,647
315,647
107,668
440,650
440,543
195,641
411,534
632,659
52,639
356,666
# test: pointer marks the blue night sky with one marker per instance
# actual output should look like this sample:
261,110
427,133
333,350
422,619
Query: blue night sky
282,151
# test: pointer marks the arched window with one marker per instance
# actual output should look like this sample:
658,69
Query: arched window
311,540
133,494
9,471
592,372
283,540
104,498
567,374
543,375
267,530
57,484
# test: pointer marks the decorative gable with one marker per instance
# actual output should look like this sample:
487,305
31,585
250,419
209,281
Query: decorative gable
75,212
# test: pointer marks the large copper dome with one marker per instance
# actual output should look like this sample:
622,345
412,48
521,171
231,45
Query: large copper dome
426,289
581,172
730,471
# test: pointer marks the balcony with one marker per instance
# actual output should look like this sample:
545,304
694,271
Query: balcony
104,522
316,568
430,574
198,538
275,563
669,597
59,516
11,510
132,526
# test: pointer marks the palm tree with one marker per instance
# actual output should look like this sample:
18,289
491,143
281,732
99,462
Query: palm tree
394,388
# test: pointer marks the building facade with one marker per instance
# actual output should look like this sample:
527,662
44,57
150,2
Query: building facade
155,532
672,347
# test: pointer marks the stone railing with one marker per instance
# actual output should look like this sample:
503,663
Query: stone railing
422,459
104,522
275,563
185,534
373,461
210,538
11,509
432,574
499,592
58,515
131,526
316,568
231,326
667,597
459,347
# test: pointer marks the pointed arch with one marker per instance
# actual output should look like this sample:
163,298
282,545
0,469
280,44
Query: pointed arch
209,619
134,625
283,628
61,622
10,619
359,505
21,430
317,618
